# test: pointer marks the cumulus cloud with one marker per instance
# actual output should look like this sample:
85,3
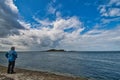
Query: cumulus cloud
94,40
60,33
45,37
8,18
10,4
111,9
114,12
43,23
55,37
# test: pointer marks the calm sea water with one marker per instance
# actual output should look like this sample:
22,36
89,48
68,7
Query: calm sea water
95,65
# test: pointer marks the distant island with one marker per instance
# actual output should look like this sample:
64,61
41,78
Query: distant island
55,50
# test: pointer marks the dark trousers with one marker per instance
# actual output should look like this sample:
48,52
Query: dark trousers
11,66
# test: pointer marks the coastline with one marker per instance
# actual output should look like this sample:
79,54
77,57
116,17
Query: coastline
23,74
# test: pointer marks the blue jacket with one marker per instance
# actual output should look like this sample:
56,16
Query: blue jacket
11,55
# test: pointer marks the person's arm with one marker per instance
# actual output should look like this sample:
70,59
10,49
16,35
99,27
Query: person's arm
15,54
6,55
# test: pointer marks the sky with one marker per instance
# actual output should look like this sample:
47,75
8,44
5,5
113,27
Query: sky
79,25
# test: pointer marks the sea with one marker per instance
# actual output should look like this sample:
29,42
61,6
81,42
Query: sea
95,65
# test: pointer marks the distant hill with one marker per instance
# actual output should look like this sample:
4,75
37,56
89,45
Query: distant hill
55,50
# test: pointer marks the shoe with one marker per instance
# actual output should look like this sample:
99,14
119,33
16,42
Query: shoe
8,72
13,72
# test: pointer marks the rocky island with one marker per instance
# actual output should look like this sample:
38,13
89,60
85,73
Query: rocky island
56,50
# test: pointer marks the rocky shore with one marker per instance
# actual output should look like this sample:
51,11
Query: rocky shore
22,74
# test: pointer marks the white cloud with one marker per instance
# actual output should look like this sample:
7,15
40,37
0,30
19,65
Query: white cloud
11,5
58,14
51,8
116,2
103,9
25,24
44,23
8,18
56,37
110,12
105,21
114,12
94,40
45,38
52,34
67,23
111,9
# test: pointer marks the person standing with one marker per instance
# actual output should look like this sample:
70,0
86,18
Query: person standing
11,56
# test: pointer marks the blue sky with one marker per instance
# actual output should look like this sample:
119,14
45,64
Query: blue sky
86,10
82,25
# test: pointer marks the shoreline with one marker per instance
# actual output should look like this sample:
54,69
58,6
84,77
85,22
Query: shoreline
23,74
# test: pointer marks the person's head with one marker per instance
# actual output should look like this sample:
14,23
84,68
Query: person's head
12,48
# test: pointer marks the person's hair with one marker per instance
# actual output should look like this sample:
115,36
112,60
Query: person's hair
12,48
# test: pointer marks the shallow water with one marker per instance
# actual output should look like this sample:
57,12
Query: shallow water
97,65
